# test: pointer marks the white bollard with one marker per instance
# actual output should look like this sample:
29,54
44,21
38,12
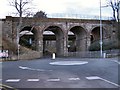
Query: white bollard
53,56
104,55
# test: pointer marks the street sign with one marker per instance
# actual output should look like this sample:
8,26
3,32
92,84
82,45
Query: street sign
3,53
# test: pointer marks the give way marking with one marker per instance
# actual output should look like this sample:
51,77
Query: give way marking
13,80
74,79
33,80
53,80
99,78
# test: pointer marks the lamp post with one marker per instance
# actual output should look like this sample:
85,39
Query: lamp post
119,12
101,41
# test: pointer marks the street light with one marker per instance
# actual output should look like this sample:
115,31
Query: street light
119,12
101,41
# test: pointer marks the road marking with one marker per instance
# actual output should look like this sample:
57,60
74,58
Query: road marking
68,63
74,79
21,67
13,80
53,80
116,61
99,78
27,68
33,80
6,86
93,78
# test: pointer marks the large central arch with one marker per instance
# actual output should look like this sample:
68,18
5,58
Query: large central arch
80,38
53,41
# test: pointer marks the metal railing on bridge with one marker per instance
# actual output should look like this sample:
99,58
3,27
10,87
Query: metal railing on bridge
77,16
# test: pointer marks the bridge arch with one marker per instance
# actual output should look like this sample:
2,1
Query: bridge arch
28,37
80,38
53,40
95,34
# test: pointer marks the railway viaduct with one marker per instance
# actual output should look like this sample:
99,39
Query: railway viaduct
66,35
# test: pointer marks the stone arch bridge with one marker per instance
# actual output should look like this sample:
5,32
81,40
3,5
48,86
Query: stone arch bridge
58,35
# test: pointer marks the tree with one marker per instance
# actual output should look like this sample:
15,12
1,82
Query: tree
114,4
40,14
22,9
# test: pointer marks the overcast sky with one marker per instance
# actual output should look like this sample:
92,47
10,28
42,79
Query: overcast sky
83,7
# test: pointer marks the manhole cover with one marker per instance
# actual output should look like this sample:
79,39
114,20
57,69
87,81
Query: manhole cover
68,63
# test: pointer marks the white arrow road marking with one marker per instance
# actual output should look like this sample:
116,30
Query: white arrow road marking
32,80
53,80
13,80
27,68
99,78
73,78
21,67
0,79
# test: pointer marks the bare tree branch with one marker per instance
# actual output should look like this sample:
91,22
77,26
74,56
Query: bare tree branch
24,3
115,7
20,6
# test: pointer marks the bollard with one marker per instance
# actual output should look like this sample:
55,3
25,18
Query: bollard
53,56
104,55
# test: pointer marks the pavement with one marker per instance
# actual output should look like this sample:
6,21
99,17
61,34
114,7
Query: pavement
67,73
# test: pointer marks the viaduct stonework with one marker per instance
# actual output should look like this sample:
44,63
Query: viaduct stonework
61,35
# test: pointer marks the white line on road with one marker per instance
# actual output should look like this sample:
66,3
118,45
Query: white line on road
99,78
116,61
74,79
53,80
93,78
13,80
32,80
27,68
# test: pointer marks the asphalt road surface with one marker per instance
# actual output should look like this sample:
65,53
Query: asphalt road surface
61,73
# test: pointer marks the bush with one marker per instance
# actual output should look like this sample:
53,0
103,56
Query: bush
107,45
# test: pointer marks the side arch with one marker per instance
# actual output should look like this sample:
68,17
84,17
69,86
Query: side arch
28,37
80,38
95,34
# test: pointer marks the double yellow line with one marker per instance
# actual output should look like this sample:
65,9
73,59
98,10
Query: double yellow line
6,87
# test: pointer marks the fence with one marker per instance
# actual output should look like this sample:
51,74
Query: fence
77,16
94,54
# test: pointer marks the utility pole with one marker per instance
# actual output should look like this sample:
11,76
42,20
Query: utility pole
101,41
119,12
